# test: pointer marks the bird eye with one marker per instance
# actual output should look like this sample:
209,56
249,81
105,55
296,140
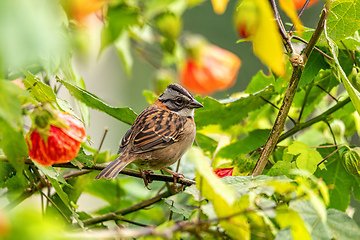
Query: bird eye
179,101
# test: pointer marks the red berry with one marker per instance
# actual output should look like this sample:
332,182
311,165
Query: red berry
56,144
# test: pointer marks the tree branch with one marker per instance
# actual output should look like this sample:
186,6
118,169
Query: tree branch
314,120
298,62
122,212
125,171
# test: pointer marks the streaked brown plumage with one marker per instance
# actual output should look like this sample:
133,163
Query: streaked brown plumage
160,135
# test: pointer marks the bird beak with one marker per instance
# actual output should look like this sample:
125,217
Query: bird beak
195,104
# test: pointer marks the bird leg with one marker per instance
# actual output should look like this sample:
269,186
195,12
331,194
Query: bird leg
145,174
175,175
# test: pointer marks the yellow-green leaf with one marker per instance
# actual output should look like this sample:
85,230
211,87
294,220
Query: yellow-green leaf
286,217
267,42
222,196
307,158
290,10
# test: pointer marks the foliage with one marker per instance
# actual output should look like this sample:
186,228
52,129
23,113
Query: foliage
300,190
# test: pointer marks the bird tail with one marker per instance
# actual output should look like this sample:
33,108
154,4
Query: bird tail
113,169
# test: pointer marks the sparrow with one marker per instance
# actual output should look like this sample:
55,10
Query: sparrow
159,136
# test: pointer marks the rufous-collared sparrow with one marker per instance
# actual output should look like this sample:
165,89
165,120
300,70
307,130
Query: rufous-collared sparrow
159,136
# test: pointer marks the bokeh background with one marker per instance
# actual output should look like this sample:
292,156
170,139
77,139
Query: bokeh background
105,76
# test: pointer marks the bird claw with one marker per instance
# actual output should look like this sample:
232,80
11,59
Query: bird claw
145,174
177,177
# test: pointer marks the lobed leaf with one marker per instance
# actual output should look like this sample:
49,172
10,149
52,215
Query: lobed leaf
338,225
307,158
343,19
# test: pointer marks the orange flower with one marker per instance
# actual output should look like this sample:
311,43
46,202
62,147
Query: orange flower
223,172
300,3
209,69
56,141
246,19
80,9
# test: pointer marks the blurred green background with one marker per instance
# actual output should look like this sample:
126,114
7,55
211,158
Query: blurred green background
104,75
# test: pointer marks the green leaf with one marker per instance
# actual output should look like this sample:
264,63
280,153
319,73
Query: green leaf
51,172
259,82
353,93
232,112
150,96
254,140
7,171
343,19
337,179
83,159
110,191
73,78
33,34
207,144
10,105
315,63
125,115
65,199
319,229
280,168
342,226
244,165
119,18
338,225
287,217
307,158
14,145
356,189
123,47
39,90
154,7
179,208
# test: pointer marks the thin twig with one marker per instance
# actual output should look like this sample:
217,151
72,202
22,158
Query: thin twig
314,120
316,48
351,55
125,171
291,119
300,13
122,212
167,233
335,151
103,138
304,102
316,35
327,92
286,40
132,222
332,133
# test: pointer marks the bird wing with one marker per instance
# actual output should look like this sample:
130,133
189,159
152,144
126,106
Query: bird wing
155,129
